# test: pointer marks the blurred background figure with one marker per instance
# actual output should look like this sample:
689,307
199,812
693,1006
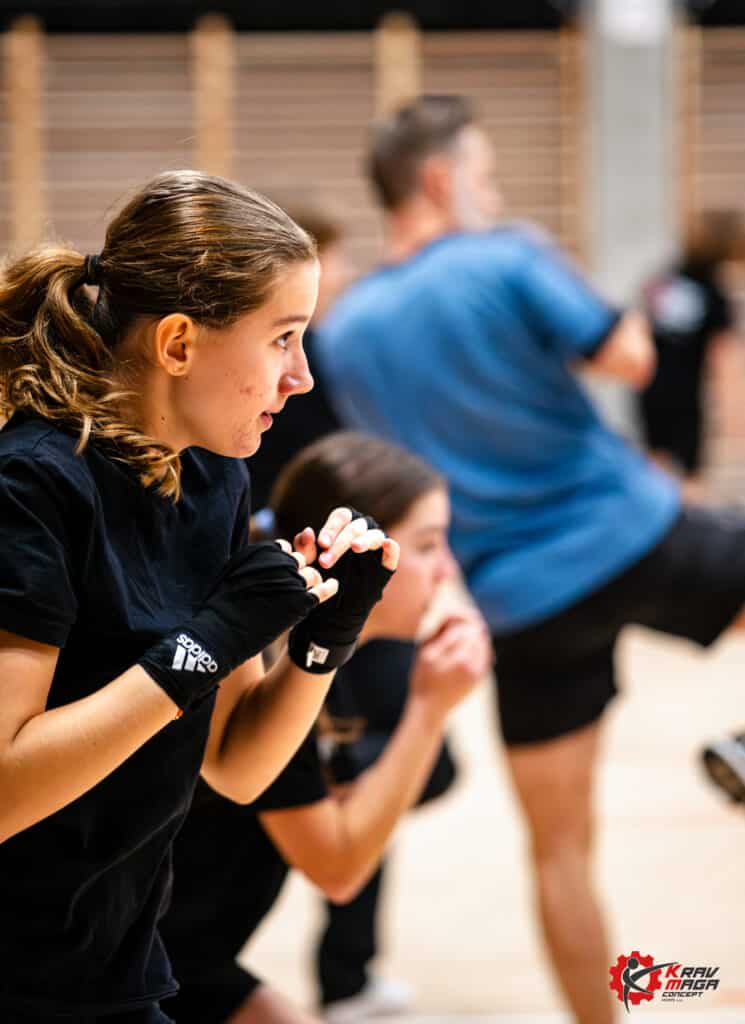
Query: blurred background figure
463,347
231,861
691,316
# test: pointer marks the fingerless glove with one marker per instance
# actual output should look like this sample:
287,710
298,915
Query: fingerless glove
258,595
327,637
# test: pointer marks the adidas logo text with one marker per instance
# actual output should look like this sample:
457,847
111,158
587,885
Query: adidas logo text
191,656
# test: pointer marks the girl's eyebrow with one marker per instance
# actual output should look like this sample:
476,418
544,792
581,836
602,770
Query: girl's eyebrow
294,319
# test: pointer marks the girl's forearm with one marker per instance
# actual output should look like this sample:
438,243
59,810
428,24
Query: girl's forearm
376,801
266,727
59,754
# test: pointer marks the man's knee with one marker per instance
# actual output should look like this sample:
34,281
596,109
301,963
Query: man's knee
561,850
554,784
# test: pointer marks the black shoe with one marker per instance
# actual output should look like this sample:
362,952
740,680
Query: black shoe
724,762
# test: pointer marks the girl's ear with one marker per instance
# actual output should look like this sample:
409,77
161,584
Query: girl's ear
174,343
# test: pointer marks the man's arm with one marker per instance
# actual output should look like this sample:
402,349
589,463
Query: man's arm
574,320
627,353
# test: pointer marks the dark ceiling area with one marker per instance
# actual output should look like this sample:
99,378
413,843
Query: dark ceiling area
333,15
271,15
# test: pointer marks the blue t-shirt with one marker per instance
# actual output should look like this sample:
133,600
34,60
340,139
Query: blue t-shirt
463,354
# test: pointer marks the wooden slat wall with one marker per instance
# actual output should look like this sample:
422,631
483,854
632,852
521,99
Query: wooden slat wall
720,129
305,113
24,54
515,80
5,160
303,104
119,109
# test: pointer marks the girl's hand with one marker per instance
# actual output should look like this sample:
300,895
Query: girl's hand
356,552
341,533
314,582
452,661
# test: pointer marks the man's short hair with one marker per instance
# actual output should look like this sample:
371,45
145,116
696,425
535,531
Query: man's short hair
400,144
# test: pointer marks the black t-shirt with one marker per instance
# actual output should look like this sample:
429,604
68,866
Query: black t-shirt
227,872
365,705
686,308
97,565
304,419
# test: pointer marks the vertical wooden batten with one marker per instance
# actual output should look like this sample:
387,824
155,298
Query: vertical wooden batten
398,60
213,66
574,145
24,70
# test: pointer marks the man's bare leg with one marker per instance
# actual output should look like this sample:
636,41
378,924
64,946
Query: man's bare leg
554,782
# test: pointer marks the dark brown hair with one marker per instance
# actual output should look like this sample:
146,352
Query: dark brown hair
716,235
186,243
349,469
321,225
431,124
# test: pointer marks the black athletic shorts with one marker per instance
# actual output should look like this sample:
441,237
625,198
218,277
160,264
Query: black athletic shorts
214,997
558,675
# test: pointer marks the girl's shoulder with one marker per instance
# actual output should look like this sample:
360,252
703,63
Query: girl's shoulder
40,451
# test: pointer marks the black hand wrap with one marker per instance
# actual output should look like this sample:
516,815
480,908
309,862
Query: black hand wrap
327,638
258,595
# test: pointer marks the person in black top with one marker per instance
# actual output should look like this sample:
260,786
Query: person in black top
223,890
689,313
310,416
361,716
129,593
349,940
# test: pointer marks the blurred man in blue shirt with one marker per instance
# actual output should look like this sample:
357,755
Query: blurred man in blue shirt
463,346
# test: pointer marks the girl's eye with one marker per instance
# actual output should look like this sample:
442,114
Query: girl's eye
426,549
284,341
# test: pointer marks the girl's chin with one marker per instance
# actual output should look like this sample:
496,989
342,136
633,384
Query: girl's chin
247,445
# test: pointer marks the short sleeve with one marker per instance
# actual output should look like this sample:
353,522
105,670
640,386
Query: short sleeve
301,783
721,314
560,306
37,595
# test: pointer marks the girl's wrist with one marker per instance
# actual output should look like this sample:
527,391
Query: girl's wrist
427,711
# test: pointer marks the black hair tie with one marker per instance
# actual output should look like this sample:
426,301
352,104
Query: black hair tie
92,270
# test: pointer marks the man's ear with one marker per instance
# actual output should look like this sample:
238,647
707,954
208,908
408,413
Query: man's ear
173,343
436,180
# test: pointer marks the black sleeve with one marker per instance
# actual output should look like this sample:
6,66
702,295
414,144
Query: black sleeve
721,315
300,783
37,594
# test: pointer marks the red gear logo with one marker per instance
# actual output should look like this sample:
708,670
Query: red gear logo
653,983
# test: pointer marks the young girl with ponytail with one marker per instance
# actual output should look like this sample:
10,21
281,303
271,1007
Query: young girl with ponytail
133,610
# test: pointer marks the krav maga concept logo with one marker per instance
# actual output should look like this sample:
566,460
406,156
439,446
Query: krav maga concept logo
638,979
